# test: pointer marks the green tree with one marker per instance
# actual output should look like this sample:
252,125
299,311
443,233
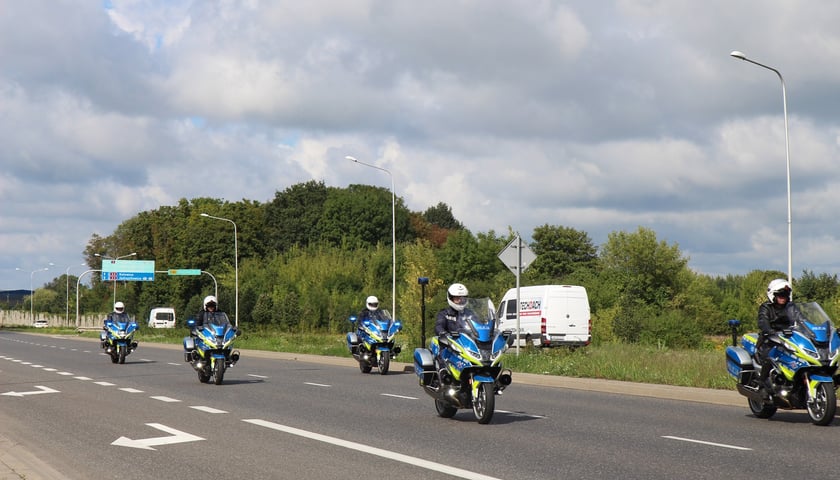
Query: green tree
651,270
644,276
441,216
560,251
293,217
816,288
361,215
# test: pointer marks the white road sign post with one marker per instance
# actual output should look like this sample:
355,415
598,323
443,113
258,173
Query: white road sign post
517,256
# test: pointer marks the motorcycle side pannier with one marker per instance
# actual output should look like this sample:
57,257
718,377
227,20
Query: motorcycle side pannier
739,364
424,365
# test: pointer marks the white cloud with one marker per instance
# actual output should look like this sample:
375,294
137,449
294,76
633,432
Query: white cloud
600,116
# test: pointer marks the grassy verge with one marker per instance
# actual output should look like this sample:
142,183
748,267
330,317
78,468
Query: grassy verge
705,368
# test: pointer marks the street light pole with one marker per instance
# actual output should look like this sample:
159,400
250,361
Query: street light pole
32,292
67,293
393,235
114,259
742,56
235,266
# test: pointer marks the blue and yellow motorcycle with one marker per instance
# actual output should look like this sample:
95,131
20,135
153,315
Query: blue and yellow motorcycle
210,351
372,344
803,371
117,338
464,369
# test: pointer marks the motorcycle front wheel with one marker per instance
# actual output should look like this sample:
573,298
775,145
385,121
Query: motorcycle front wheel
121,353
384,362
484,403
824,404
218,371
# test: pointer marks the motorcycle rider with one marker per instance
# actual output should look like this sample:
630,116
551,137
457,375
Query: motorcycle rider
451,319
776,315
371,306
369,312
210,307
119,310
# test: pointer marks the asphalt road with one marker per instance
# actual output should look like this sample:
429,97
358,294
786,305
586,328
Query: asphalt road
67,412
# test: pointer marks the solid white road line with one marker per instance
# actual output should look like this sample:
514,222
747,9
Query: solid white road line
723,445
418,462
397,396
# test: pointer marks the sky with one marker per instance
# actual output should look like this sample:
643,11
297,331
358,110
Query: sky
602,116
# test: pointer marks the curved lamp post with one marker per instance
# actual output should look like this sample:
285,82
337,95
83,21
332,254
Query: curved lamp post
115,259
32,292
67,293
235,265
393,235
741,56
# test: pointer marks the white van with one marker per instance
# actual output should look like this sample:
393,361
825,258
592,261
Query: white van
549,315
162,317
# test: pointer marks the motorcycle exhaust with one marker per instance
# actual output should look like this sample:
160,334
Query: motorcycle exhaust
505,379
234,357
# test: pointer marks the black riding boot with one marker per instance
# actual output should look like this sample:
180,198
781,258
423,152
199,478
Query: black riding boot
764,381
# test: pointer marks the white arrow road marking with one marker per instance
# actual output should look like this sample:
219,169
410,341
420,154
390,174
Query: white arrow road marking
38,392
176,436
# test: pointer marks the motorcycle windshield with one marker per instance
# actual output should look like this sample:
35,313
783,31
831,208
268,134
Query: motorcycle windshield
380,319
813,322
478,319
121,324
218,321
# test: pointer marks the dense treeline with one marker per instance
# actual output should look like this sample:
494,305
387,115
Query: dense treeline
308,258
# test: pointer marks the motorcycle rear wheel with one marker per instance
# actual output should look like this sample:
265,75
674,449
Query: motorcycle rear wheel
444,409
761,409
822,409
484,403
365,367
203,376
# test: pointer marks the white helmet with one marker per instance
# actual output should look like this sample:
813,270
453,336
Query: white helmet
457,295
372,303
119,307
778,287
210,299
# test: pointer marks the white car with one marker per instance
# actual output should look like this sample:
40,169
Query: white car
41,324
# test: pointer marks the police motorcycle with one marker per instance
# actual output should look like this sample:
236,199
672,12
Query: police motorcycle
209,348
803,367
117,336
372,344
463,370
